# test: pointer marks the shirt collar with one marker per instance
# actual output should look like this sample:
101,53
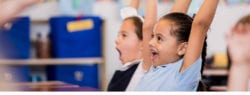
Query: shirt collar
129,64
168,65
140,67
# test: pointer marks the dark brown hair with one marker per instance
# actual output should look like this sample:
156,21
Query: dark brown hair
181,25
138,24
244,20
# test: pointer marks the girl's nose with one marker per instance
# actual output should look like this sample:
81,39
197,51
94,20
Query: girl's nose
151,43
117,41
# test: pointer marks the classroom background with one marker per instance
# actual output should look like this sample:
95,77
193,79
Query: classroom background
45,49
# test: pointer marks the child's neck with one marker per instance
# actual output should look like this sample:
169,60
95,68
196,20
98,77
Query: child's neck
146,66
169,62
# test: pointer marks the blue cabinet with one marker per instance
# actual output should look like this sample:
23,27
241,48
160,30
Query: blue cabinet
15,73
75,44
81,43
82,75
15,44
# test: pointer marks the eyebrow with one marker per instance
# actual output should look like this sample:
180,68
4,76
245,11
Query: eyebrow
159,34
122,31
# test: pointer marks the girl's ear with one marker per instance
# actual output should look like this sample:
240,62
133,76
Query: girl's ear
182,48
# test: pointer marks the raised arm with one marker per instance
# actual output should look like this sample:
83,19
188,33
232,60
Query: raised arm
238,46
198,33
135,4
148,26
181,6
239,76
11,8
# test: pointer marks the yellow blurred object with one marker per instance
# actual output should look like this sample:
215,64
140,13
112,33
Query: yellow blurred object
80,25
220,60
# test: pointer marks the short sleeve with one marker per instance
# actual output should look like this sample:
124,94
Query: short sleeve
189,79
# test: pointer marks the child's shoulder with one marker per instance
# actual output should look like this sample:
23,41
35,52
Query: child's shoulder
195,67
174,68
167,69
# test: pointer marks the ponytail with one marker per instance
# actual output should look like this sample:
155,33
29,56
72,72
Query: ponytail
202,86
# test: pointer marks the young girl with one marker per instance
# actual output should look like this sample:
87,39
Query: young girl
128,45
175,54
238,46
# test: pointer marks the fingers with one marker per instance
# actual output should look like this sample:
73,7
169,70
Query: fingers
238,41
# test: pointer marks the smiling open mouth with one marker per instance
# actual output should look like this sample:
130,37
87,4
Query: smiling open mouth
154,55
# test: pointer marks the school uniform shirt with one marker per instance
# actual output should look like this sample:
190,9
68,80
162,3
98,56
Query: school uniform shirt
122,77
139,73
168,78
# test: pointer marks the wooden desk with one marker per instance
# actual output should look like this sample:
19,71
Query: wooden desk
215,72
218,88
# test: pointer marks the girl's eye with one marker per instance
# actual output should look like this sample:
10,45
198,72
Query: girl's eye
124,35
159,38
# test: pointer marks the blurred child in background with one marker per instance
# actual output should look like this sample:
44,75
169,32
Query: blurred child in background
239,48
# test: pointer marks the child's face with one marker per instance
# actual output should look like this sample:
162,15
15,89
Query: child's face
127,43
163,46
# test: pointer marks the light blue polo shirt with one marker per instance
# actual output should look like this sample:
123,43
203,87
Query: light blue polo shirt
168,78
